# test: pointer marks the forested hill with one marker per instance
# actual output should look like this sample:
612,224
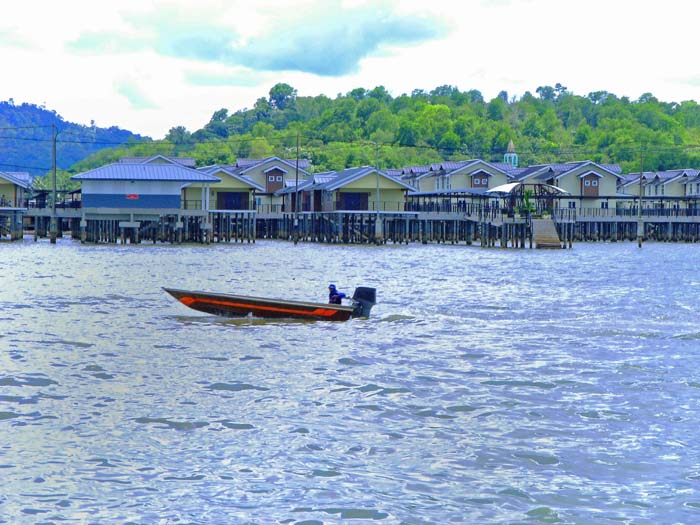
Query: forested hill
364,127
26,139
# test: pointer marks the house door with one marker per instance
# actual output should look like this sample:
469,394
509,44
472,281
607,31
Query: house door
231,200
353,201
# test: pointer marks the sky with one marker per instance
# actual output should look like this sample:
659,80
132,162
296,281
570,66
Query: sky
148,66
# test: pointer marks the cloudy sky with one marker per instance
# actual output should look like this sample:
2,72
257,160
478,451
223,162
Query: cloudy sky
147,66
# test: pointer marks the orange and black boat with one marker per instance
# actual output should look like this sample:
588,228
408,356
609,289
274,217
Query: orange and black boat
230,305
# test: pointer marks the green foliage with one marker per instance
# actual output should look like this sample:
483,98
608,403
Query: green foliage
282,96
554,125
27,136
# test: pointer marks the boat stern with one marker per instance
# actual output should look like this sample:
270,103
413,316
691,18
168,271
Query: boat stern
364,299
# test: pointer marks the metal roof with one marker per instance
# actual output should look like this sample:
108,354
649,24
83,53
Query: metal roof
146,172
546,171
415,169
19,178
183,161
508,168
333,180
352,174
211,170
247,163
291,164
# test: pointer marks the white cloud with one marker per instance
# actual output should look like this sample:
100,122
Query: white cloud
149,66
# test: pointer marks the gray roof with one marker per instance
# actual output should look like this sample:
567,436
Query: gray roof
672,175
247,163
232,173
412,170
450,165
19,178
548,171
509,169
629,178
351,174
661,177
289,163
183,161
144,172
332,180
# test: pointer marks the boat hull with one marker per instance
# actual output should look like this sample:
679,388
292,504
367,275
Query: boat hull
229,305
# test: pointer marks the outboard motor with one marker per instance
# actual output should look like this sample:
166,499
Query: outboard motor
364,299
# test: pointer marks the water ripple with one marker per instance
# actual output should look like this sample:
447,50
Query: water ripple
489,386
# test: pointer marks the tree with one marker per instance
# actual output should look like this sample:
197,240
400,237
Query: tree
358,94
282,96
408,133
449,143
219,116
262,108
496,109
179,135
545,92
366,107
381,94
559,90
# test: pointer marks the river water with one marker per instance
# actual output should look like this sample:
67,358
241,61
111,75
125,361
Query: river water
488,386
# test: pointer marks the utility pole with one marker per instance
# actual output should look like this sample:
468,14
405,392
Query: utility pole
296,196
640,220
53,226
378,222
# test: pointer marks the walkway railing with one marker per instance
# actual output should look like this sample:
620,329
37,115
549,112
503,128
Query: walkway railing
631,213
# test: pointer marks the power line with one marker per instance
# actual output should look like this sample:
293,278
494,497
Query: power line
19,166
331,145
25,127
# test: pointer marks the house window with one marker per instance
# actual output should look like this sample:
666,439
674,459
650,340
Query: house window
271,178
572,204
587,183
604,205
477,182
594,183
279,178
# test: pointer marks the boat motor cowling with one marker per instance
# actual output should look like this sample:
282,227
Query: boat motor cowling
364,299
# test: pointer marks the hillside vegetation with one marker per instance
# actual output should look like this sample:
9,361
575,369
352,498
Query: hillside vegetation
26,139
369,126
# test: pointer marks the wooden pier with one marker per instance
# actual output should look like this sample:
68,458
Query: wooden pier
11,223
489,228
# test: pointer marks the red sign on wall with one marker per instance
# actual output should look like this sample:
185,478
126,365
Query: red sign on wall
132,196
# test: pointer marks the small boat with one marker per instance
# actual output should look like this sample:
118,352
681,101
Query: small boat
230,305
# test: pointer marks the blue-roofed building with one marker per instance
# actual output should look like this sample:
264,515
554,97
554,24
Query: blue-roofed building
585,183
235,191
475,175
139,185
352,189
14,186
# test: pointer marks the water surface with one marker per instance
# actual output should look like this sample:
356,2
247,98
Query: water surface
489,386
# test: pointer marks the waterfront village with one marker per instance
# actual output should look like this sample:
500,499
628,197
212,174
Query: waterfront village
167,199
